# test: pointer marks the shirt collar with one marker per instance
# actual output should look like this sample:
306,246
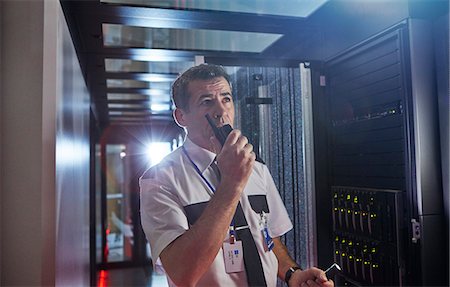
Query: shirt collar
200,156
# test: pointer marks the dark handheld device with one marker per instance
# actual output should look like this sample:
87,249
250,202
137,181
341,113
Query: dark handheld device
220,133
223,132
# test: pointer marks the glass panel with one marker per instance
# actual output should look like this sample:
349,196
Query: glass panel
157,97
125,65
160,107
130,113
126,97
119,228
126,84
98,205
155,107
127,106
125,119
161,86
114,83
294,8
115,35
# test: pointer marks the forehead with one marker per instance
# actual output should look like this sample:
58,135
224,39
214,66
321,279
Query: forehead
203,87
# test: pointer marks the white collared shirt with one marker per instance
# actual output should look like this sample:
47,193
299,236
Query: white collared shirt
173,186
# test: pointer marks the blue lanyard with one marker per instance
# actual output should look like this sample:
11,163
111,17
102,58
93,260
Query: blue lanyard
232,232
198,170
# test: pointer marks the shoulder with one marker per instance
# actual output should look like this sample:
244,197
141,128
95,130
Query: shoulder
165,167
260,170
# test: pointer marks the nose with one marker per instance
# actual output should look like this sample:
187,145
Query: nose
220,111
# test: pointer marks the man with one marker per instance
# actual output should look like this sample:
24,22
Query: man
205,204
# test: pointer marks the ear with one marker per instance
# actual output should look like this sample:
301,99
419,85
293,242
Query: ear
178,115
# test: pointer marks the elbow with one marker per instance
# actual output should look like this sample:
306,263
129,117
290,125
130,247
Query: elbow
180,266
183,278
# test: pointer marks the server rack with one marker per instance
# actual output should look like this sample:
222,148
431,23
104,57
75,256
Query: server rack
383,160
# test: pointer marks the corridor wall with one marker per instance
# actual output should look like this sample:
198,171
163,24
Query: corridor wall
44,165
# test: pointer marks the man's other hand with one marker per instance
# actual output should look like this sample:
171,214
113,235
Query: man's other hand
310,277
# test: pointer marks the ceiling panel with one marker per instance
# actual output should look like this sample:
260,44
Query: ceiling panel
153,95
131,51
128,65
116,35
292,8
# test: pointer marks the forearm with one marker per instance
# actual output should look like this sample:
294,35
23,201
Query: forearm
188,257
285,261
311,276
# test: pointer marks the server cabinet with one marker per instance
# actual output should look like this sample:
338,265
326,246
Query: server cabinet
383,157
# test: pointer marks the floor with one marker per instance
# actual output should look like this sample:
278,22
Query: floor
130,277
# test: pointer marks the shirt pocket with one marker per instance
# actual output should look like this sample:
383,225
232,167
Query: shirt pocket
258,202
194,211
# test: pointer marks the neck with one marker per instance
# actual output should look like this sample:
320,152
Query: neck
208,146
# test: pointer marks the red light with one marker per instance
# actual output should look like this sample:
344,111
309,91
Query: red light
106,249
103,279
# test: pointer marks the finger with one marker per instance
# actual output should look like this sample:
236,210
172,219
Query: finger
248,148
322,276
319,282
253,156
233,137
242,141
319,274
312,283
328,283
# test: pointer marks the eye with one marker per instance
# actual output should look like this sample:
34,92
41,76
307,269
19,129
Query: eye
205,102
227,99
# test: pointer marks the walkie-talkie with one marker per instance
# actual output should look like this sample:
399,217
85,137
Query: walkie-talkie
220,133
223,132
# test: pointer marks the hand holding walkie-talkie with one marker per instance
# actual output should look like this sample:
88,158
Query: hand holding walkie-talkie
222,133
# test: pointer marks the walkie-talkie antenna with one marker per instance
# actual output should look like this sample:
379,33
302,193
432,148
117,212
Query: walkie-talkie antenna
210,120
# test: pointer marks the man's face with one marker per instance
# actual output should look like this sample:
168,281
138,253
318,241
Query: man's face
211,97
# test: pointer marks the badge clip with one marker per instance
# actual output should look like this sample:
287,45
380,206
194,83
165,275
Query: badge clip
232,235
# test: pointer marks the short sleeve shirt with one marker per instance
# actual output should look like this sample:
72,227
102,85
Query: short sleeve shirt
173,194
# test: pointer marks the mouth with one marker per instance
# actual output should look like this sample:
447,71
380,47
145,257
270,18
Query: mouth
217,123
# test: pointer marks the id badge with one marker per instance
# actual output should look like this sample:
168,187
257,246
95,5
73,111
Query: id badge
233,256
268,241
